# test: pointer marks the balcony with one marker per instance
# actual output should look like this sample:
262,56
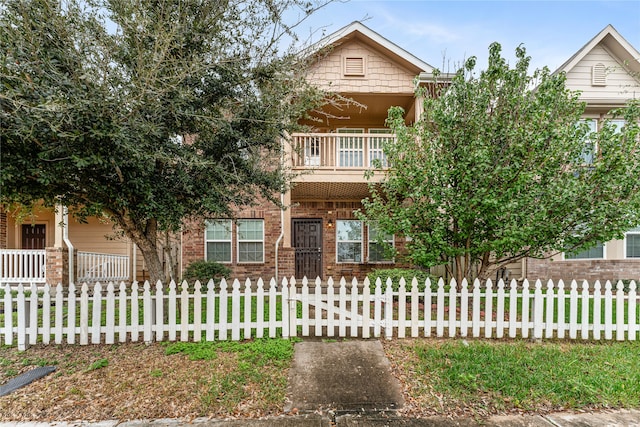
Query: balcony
339,151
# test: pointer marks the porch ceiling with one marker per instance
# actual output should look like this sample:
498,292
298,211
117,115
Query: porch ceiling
329,191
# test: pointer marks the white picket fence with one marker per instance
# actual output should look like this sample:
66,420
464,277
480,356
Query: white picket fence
98,314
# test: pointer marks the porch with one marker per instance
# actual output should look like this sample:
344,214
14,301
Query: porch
30,266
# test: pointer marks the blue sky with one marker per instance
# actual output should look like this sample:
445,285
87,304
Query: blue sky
551,31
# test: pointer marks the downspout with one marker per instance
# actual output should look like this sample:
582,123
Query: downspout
65,239
281,236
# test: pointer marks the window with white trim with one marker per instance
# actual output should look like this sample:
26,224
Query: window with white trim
351,147
349,240
597,252
218,240
632,243
376,146
378,249
250,240
589,151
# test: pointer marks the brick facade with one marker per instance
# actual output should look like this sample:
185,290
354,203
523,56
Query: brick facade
193,242
579,270
57,270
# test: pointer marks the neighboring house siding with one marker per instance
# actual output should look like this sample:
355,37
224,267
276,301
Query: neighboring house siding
381,75
97,235
619,82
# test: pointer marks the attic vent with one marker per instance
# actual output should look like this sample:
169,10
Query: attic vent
599,75
354,66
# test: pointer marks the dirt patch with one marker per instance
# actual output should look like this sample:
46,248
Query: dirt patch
128,381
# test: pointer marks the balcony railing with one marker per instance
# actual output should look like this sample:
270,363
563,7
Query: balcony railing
339,151
22,265
93,267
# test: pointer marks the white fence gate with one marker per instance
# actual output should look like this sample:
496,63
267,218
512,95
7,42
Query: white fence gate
100,313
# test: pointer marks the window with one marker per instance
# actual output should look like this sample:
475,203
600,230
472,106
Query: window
354,66
596,252
250,240
311,151
218,240
349,240
632,243
351,148
376,146
589,150
377,250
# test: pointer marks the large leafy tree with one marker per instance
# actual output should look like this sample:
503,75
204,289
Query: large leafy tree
500,167
149,112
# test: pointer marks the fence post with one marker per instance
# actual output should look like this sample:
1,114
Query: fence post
620,326
538,311
293,305
632,319
22,319
285,308
585,310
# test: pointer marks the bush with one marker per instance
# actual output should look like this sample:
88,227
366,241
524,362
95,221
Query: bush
204,271
396,273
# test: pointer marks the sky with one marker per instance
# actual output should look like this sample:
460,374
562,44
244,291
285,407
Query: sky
443,33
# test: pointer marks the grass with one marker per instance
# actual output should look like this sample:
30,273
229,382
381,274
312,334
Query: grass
513,376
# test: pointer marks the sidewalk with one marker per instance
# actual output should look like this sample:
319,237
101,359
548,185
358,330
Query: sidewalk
610,419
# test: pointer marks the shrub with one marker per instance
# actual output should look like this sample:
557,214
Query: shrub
204,271
396,273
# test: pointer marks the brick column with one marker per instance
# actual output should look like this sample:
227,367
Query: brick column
57,266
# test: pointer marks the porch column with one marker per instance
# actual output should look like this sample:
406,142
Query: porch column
57,256
418,107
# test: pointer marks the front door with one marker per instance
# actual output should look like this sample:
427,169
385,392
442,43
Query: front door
34,236
307,240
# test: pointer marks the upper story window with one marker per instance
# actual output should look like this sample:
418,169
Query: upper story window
588,153
354,66
597,252
218,240
632,243
350,147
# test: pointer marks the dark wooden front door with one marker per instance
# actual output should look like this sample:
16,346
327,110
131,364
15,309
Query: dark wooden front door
34,236
307,240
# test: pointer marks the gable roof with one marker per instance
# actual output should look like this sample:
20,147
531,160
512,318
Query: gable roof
611,39
357,30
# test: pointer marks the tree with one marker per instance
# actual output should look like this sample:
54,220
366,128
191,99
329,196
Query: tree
500,167
150,112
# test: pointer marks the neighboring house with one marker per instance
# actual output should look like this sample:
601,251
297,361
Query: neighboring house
607,72
35,250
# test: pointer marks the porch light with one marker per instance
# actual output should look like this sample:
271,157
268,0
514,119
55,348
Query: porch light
330,223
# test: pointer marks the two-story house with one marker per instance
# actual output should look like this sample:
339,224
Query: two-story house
318,234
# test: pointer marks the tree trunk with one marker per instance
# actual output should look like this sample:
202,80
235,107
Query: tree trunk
146,238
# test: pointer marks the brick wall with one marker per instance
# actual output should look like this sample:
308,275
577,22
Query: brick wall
193,243
335,211
590,270
57,266
3,230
